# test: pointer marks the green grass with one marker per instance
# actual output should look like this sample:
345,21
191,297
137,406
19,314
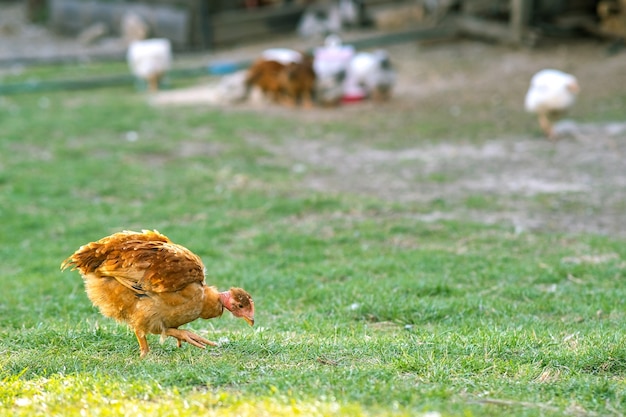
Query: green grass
362,309
69,71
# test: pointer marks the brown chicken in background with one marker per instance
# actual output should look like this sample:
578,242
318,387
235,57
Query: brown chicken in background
154,285
287,83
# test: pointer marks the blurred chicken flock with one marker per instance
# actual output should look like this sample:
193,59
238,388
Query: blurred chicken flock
336,73
333,72
330,74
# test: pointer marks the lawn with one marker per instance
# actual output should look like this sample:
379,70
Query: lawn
363,308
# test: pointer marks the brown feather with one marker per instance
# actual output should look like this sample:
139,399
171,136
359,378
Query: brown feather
147,281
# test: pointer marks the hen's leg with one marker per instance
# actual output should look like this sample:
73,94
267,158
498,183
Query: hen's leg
143,343
189,337
289,101
546,125
153,82
307,99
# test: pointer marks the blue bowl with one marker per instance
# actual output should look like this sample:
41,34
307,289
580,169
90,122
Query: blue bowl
222,68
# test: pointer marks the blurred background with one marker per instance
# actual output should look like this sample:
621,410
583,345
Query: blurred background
54,29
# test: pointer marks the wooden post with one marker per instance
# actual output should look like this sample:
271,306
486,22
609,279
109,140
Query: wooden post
519,18
36,10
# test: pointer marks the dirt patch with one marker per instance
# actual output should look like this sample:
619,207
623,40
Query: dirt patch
530,184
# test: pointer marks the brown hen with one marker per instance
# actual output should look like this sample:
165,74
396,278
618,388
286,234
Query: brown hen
154,285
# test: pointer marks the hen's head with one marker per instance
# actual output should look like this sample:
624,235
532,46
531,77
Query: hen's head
239,302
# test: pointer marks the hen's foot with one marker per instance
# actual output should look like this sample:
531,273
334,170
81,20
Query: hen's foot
143,343
189,337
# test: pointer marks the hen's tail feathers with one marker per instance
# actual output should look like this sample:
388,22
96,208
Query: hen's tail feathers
87,258
67,263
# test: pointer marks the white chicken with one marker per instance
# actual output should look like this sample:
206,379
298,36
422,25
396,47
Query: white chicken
283,55
550,95
330,64
149,60
370,74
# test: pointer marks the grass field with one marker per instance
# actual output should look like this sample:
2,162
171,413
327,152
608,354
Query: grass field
362,307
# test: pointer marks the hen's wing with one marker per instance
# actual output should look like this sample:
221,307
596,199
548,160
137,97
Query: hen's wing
153,266
142,262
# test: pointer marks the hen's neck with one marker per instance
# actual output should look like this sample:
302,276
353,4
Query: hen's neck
212,304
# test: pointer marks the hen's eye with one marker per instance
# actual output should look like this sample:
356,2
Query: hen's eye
240,306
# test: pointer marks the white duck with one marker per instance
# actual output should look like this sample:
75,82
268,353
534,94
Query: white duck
149,60
550,95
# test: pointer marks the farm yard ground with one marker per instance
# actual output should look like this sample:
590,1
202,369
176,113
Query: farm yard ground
456,133
429,256
489,152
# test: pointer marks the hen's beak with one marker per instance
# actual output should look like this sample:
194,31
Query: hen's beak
573,88
249,320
